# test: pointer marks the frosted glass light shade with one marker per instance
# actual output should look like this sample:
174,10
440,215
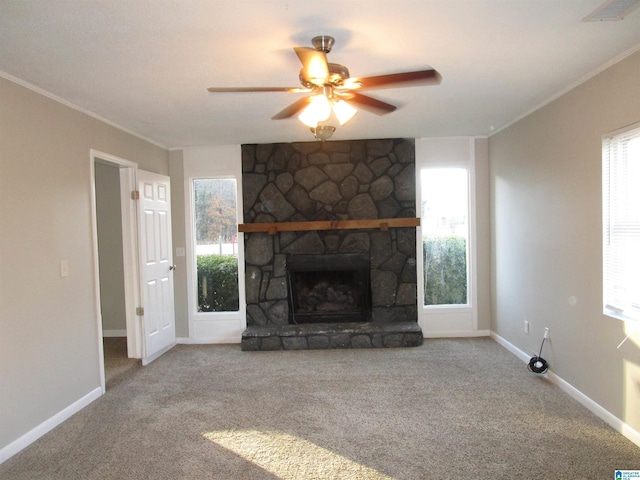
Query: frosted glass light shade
344,111
318,110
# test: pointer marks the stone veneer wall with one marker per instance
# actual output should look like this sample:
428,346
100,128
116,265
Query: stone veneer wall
345,180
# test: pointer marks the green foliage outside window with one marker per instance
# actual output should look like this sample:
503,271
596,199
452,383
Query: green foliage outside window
445,270
217,283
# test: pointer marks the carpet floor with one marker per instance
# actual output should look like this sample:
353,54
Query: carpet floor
450,409
117,365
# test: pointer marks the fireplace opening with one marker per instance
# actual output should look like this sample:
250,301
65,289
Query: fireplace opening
329,288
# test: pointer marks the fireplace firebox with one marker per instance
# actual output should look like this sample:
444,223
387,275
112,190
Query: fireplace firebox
329,288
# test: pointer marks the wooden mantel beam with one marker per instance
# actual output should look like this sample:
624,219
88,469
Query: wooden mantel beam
383,224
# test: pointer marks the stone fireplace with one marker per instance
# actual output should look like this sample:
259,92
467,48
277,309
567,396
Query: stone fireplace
319,277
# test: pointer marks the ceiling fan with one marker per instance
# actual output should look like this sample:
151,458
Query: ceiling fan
332,90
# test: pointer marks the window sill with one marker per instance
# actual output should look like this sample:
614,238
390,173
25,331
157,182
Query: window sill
621,316
440,309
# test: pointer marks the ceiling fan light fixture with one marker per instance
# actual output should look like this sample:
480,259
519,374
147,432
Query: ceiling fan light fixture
308,119
323,132
333,93
344,112
318,110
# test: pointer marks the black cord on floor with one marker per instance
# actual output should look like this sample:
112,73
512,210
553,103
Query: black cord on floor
537,364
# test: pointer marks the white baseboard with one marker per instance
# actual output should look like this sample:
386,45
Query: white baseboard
234,338
617,424
511,347
48,425
457,334
114,333
231,339
629,432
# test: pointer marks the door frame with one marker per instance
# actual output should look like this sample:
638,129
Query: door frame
128,184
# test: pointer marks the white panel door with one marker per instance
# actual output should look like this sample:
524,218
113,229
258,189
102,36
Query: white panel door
158,319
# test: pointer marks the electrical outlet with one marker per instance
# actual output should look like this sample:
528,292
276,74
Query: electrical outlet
526,327
546,332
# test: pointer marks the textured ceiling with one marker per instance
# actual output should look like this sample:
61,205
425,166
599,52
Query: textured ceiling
145,65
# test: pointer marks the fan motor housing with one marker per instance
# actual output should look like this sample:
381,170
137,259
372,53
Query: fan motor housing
337,75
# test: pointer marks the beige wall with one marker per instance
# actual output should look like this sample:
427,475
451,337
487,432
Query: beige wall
483,233
110,248
48,326
547,250
178,209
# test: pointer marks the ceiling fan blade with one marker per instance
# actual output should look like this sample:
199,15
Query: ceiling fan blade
407,79
258,89
314,65
292,109
368,103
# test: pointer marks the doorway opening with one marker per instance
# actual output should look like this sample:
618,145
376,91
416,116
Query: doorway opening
146,258
115,262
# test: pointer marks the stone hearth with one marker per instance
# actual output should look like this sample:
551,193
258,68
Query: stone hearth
327,336
347,180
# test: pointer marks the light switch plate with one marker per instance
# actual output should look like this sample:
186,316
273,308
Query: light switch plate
64,268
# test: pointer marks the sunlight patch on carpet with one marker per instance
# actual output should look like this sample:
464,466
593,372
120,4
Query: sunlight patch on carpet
290,457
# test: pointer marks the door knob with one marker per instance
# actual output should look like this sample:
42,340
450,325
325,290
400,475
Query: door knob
172,267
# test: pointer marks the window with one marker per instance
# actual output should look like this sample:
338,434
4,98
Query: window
445,235
621,223
216,247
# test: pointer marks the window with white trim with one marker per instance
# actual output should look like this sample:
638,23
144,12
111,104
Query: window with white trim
445,235
621,223
216,246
